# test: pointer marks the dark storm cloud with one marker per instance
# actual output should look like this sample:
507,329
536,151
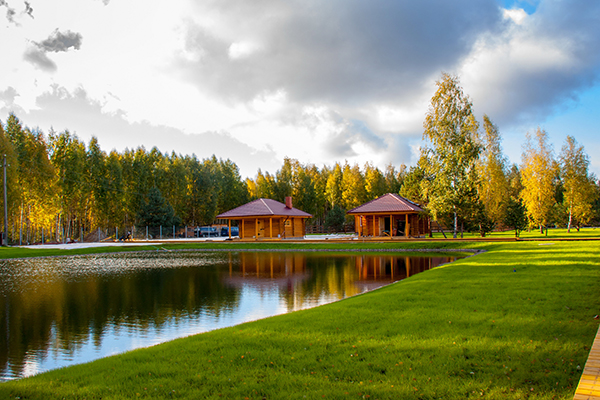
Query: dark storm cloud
339,51
56,42
566,30
59,41
28,9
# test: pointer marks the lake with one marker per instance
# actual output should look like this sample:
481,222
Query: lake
56,312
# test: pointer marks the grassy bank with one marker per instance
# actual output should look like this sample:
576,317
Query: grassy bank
515,322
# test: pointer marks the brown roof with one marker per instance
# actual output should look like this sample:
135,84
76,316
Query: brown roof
390,202
263,208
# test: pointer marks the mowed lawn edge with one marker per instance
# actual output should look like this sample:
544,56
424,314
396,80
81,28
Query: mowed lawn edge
514,322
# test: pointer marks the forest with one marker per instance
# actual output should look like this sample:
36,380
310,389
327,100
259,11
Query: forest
60,188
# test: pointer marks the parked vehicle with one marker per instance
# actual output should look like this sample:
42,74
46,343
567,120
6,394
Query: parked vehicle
206,231
235,231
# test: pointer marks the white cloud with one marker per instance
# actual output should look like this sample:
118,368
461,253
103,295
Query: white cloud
516,15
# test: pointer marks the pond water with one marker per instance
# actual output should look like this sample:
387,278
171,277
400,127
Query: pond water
56,312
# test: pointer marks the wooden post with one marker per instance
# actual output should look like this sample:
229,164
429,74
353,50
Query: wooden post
256,228
229,224
373,225
271,227
241,237
391,225
406,225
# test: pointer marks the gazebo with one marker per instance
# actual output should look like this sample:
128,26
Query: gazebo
390,215
268,219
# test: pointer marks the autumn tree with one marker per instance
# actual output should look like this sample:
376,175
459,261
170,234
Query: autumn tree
375,182
333,189
451,151
493,184
537,174
354,192
578,186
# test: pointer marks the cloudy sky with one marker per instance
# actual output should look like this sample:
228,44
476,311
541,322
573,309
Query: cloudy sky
319,81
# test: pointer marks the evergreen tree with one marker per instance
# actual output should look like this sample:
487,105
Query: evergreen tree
156,211
335,219
516,215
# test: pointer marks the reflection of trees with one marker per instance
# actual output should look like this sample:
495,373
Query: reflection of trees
70,309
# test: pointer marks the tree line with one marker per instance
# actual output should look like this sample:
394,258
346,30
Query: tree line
59,185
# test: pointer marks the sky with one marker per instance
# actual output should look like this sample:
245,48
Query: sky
318,81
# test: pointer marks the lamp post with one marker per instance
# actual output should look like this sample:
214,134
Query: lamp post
5,235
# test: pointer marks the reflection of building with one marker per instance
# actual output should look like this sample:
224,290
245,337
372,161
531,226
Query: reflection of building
392,268
390,215
266,218
266,268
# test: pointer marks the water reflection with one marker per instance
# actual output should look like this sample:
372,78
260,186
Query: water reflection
61,311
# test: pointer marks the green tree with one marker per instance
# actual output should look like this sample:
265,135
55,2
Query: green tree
284,181
303,188
335,219
516,215
537,176
234,191
394,178
156,211
68,156
578,186
411,185
451,151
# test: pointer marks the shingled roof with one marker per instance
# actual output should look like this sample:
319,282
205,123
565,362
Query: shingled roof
387,203
263,208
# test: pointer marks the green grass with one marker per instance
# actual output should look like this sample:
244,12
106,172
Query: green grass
553,233
471,329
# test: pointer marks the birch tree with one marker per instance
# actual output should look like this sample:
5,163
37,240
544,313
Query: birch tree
493,184
451,151
537,174
579,193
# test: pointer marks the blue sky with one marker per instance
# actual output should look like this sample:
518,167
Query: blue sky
322,82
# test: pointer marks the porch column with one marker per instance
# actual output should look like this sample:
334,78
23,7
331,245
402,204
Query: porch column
229,223
271,227
391,225
243,235
256,228
373,225
406,226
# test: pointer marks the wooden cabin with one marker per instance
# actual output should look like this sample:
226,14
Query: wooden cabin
268,219
390,215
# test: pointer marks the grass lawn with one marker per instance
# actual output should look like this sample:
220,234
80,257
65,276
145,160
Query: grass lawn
512,323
